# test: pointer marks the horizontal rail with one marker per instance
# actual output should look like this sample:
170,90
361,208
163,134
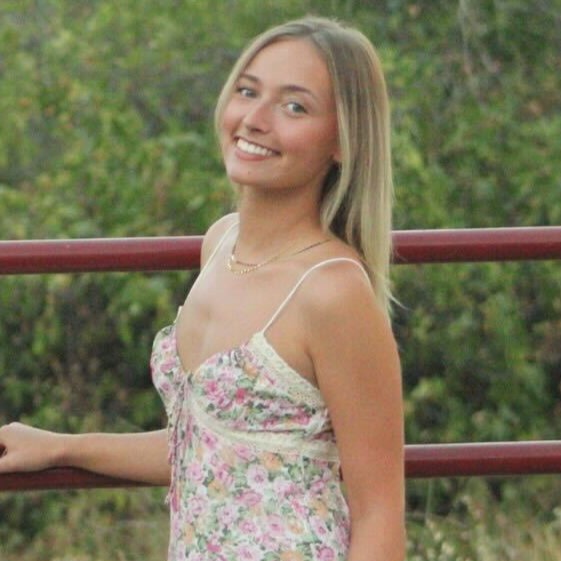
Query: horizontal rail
183,252
483,459
104,254
421,461
62,478
479,244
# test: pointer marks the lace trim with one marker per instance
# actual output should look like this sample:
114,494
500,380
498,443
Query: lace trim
266,441
291,381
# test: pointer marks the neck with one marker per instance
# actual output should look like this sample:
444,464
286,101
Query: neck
271,222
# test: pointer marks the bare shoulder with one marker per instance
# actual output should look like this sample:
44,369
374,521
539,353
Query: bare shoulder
340,291
345,325
214,234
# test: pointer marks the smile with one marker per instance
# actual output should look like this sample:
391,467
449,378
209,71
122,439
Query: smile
250,148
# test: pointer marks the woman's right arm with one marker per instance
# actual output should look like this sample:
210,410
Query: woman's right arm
136,456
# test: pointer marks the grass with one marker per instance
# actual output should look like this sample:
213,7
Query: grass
101,525
523,525
500,539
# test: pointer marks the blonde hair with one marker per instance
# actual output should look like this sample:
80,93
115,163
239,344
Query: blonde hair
357,194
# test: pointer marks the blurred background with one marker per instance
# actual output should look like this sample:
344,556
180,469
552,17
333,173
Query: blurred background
106,130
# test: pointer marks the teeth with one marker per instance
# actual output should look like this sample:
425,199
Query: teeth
250,148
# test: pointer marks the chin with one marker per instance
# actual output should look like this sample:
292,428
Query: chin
243,177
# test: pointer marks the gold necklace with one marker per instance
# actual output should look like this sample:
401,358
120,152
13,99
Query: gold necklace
234,262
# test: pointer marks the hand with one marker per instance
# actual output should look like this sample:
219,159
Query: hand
24,448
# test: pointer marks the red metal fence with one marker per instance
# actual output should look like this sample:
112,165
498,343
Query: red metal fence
410,247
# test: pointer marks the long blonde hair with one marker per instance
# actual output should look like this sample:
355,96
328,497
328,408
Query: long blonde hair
357,194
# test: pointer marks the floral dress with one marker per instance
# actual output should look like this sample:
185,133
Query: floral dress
255,469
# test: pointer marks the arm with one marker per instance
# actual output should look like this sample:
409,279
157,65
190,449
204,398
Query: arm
136,456
358,372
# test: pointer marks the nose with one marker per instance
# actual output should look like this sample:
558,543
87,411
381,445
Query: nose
258,117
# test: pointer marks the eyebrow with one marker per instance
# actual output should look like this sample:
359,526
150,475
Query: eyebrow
285,88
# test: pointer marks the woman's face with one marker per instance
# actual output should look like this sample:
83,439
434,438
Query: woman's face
279,128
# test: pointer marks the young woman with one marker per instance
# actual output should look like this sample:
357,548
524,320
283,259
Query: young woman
280,373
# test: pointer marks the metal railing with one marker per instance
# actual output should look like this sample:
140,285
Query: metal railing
410,247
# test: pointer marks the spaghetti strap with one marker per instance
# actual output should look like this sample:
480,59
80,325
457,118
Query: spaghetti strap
218,245
303,278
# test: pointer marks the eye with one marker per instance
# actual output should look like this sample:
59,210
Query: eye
244,91
295,107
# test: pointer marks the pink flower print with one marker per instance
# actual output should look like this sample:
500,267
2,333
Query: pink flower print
298,508
318,486
245,453
248,553
248,527
301,418
250,498
209,440
168,365
195,508
268,542
318,527
213,545
322,478
227,515
166,386
211,387
270,423
222,474
228,377
324,553
284,487
342,534
216,393
240,395
174,501
194,473
257,475
275,525
240,424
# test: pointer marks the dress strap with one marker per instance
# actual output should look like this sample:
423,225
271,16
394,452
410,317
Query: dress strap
303,278
218,245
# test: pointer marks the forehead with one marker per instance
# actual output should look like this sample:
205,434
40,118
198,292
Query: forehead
294,62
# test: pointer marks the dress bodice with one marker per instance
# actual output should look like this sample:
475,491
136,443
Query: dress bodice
251,447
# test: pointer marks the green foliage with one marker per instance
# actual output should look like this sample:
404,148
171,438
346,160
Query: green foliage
482,528
106,130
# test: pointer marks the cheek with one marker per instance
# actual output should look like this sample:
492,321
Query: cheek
228,123
316,144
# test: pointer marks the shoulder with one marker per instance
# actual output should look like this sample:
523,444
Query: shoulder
339,301
215,233
334,285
